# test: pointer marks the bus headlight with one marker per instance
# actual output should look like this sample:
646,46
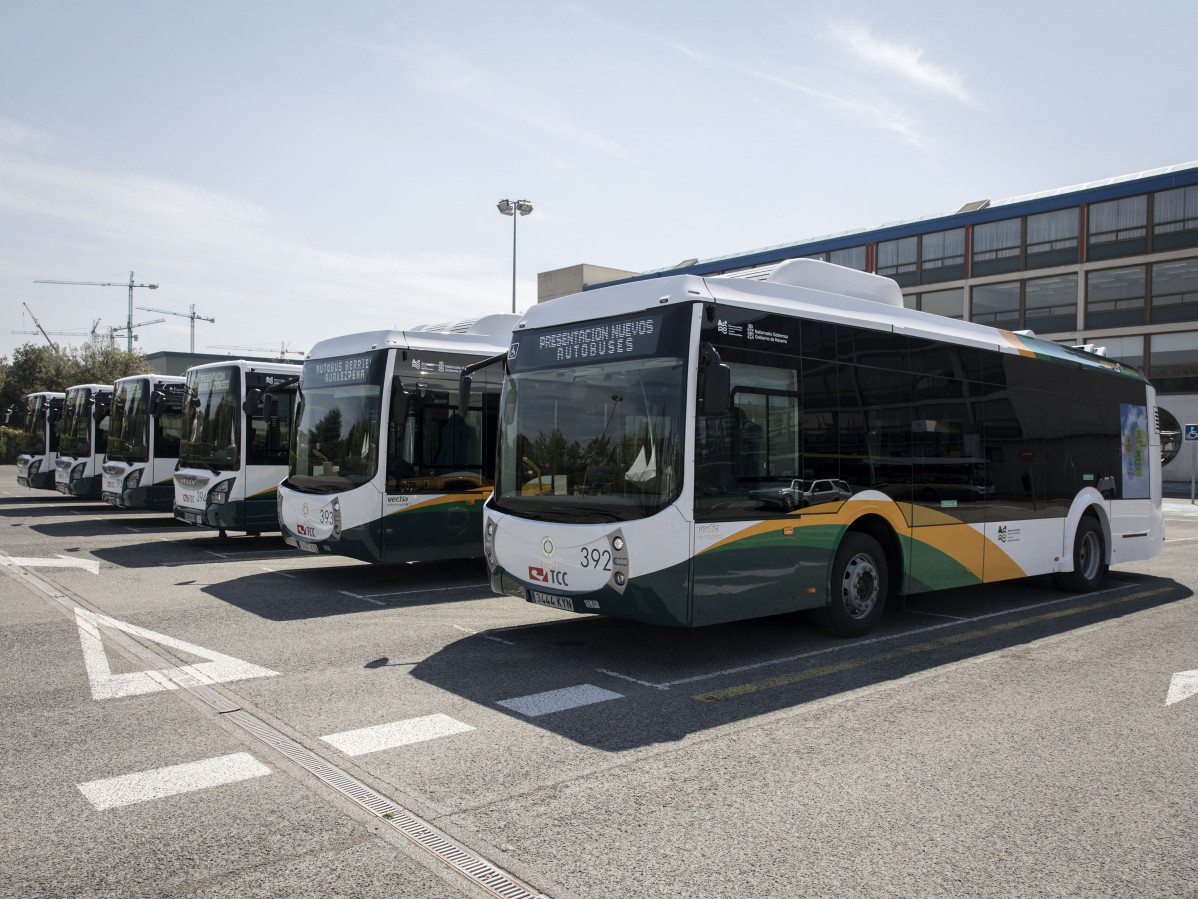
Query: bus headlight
336,519
134,480
77,471
489,542
219,495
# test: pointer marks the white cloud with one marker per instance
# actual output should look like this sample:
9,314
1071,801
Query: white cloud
437,70
871,115
898,59
217,250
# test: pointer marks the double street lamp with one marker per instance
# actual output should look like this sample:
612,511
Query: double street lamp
508,207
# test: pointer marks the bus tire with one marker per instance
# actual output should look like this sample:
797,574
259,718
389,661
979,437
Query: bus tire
1089,559
858,588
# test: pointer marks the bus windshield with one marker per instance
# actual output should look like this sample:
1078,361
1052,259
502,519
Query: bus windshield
75,440
129,427
212,419
337,439
599,442
33,433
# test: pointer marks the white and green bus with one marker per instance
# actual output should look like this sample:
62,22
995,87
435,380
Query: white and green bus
143,442
233,450
82,440
394,448
38,449
693,450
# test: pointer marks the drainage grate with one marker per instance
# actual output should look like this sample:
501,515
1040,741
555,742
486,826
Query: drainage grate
420,832
475,868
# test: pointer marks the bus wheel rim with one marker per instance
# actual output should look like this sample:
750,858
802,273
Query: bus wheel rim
859,587
1088,555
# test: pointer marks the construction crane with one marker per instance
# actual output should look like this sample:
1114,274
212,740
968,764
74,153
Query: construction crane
43,331
74,332
112,332
192,315
284,348
129,326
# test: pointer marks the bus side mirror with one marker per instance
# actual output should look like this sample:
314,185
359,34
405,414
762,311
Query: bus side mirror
464,394
717,390
253,396
399,404
717,382
157,402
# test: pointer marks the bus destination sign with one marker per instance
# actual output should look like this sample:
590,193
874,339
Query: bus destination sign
627,337
343,371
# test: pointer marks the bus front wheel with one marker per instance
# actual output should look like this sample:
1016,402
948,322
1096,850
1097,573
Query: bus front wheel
858,588
1089,559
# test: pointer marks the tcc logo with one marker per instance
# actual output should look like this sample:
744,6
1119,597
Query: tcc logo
547,576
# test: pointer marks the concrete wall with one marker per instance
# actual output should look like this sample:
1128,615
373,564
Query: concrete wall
565,281
1183,407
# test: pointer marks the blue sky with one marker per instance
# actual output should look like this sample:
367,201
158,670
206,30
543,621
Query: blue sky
299,170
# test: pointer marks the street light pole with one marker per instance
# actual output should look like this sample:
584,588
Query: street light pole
129,326
507,207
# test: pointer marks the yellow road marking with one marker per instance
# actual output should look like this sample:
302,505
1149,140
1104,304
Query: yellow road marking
784,680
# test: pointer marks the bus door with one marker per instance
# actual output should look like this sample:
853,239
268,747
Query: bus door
948,486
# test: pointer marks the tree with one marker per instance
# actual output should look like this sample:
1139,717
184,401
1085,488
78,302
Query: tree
34,368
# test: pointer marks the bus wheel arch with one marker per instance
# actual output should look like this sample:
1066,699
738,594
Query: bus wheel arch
859,579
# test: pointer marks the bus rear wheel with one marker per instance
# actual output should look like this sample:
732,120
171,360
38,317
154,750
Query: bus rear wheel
858,588
1089,559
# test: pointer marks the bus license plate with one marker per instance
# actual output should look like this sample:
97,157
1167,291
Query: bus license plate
307,547
558,602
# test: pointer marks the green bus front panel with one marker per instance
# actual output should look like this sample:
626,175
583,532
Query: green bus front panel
448,530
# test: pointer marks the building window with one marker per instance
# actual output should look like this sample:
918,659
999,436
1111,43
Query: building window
1116,297
1052,238
1175,291
1125,349
1118,228
996,304
1175,218
898,259
1050,304
997,247
1045,305
852,257
942,256
1173,362
949,303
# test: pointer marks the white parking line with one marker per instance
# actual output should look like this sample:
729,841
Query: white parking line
559,700
161,782
397,733
370,596
484,636
848,645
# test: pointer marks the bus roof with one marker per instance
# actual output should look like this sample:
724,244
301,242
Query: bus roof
152,377
486,336
286,368
814,289
89,387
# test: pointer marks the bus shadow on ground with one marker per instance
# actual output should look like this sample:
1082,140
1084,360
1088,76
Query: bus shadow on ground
672,683
353,588
187,545
53,506
91,525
